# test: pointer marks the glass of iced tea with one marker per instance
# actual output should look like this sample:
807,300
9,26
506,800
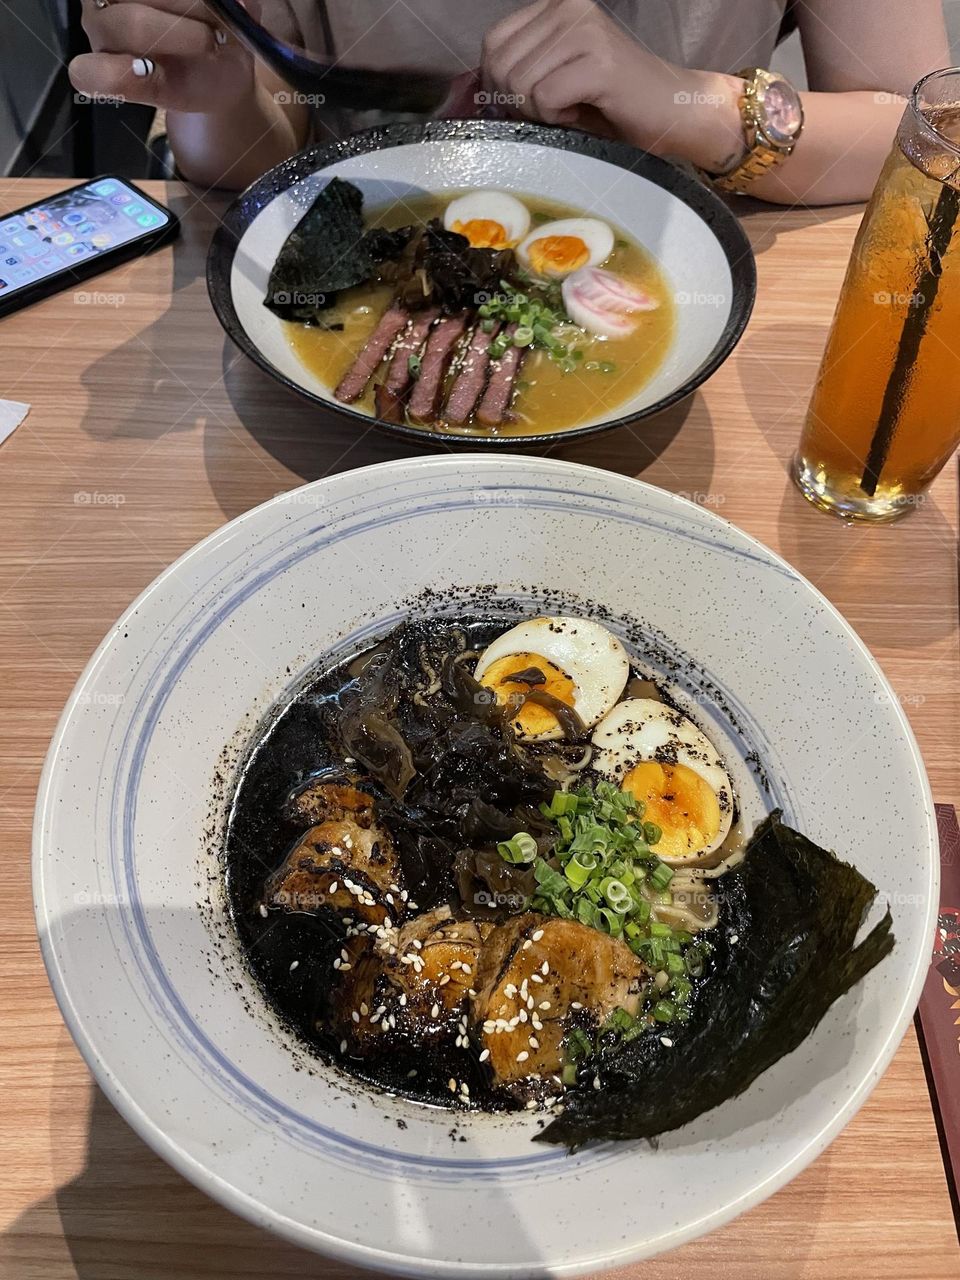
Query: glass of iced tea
885,413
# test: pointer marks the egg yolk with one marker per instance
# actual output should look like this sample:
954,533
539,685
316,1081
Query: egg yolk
558,255
680,802
484,233
531,719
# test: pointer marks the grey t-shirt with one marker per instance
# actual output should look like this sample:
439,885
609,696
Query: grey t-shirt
446,35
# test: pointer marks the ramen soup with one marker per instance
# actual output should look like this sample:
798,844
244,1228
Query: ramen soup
494,314
494,866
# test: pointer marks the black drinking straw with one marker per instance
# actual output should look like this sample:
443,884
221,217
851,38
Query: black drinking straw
914,327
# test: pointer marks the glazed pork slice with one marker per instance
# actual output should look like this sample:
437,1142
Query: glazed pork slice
399,376
322,799
347,863
354,382
471,377
425,396
539,977
495,403
409,988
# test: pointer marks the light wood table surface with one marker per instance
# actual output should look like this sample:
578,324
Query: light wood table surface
147,431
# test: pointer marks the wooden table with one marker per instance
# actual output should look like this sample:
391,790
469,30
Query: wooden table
147,431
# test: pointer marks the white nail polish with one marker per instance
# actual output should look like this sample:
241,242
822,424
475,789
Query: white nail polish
220,36
143,67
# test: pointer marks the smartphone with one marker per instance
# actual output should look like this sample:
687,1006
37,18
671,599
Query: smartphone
75,234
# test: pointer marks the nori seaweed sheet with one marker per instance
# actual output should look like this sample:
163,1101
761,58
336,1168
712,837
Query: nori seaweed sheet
326,252
795,910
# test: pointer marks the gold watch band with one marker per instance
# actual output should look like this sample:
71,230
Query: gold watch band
761,155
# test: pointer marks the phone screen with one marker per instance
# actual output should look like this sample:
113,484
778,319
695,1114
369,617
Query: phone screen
83,223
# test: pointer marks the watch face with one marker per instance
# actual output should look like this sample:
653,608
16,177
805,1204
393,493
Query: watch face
782,112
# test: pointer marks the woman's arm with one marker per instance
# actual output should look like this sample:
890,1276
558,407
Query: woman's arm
567,62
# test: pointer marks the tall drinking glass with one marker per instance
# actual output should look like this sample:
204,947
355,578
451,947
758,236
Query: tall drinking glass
885,413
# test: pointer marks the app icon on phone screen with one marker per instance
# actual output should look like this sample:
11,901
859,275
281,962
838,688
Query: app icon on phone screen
104,188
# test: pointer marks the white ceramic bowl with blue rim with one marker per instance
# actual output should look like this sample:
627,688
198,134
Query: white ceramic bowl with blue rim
699,244
143,959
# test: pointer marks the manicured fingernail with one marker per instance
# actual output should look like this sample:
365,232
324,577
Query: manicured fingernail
220,36
143,67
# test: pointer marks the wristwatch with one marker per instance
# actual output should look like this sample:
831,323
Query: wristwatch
772,116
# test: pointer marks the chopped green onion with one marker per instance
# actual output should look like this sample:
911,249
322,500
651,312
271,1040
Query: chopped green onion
618,896
652,833
488,325
522,848
664,1010
661,875
522,336
413,366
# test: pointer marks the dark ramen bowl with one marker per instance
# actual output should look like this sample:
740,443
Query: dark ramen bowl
700,247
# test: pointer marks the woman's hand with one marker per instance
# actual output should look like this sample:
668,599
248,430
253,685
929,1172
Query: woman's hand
227,120
567,62
166,53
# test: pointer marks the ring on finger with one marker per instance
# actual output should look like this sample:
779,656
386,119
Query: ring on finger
100,4
143,67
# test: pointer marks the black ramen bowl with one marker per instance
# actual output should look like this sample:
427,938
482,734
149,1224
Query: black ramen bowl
700,247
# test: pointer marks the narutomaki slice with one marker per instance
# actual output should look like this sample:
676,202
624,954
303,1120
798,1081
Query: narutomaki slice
425,396
354,382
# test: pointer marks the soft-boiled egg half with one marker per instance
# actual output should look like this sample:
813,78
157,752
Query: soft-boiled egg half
555,249
489,219
662,758
574,660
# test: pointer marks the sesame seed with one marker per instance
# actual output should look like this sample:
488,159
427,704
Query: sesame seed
544,1004
526,945
522,1056
364,1008
334,886
536,936
263,910
596,1082
385,1025
403,1000
575,1004
489,1026
465,1089
734,937
466,969
444,980
411,1073
392,1020
435,1011
545,968
343,1046
532,1104
485,1055
665,1040
294,965
536,1023
456,964
355,1016
534,1042
523,1015
510,990
337,963
452,1085
535,977
344,967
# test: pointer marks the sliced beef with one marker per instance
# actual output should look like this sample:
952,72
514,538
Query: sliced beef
425,397
496,399
398,376
471,377
539,977
354,382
